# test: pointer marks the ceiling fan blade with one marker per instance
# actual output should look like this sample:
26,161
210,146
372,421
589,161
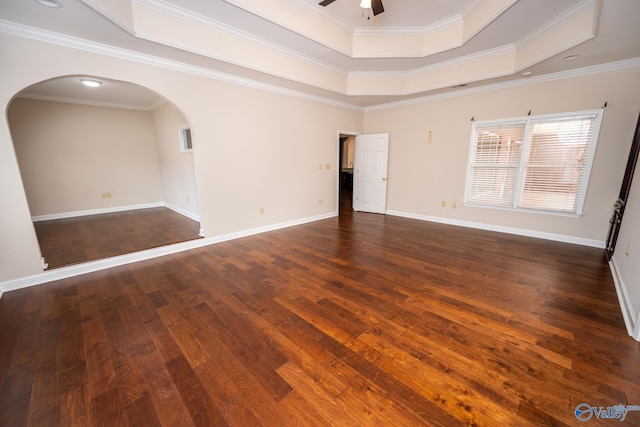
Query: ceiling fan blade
326,2
376,6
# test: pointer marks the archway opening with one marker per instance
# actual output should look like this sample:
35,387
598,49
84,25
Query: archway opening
105,169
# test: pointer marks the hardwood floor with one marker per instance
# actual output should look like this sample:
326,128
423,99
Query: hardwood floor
356,320
87,238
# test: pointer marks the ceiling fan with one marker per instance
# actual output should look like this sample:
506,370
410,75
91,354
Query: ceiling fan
375,5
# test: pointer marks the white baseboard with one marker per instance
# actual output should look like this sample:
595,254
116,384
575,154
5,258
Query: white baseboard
631,319
73,214
500,229
182,212
89,267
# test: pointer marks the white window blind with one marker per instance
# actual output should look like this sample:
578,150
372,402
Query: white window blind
539,163
495,160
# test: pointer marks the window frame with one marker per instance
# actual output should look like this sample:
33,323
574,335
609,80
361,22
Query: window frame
184,140
519,183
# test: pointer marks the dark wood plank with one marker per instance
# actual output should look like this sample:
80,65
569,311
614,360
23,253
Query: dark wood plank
167,402
198,402
75,407
107,410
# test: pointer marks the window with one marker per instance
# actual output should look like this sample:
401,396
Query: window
538,163
185,139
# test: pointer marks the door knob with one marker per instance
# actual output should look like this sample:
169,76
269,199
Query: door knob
384,178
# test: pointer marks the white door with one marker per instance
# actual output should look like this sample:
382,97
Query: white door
370,173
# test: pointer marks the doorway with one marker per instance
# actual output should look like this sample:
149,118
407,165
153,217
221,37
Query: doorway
346,150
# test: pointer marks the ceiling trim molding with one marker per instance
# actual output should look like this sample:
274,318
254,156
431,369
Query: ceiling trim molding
576,10
416,42
195,18
110,11
72,42
583,18
89,102
565,32
304,19
579,72
246,82
409,31
128,55
210,39
463,60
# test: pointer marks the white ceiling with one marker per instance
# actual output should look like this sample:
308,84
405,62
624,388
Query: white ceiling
306,32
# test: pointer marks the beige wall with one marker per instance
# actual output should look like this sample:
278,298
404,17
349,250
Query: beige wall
253,149
176,167
70,154
423,174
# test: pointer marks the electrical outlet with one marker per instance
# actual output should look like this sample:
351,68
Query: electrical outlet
453,205
627,251
261,211
187,197
327,166
320,167
105,195
444,204
319,201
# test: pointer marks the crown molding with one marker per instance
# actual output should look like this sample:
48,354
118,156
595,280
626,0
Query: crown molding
563,17
72,42
89,102
460,61
579,72
366,42
551,28
211,24
409,31
218,41
242,81
569,30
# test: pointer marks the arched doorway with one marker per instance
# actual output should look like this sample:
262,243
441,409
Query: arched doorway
105,169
